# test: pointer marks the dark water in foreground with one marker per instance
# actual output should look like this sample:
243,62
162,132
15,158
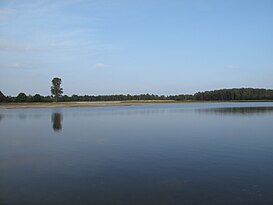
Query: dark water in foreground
193,154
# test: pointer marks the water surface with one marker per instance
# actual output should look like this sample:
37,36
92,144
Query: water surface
218,153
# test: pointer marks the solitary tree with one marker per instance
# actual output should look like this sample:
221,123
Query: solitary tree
56,89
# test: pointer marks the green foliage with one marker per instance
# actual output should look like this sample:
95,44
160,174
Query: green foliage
37,98
21,97
235,94
56,89
2,97
215,95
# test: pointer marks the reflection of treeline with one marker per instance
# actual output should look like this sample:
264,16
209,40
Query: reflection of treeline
237,110
215,95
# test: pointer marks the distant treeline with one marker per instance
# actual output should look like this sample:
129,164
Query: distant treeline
235,94
215,95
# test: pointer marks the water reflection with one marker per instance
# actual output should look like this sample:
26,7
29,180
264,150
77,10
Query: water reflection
56,120
22,116
237,110
116,155
127,112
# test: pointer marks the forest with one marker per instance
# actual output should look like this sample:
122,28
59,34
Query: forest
214,95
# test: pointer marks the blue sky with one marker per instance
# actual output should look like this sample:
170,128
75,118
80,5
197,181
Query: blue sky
139,46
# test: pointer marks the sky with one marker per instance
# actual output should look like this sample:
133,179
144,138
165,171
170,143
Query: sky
163,47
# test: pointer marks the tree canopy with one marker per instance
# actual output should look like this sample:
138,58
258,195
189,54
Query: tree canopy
56,89
2,97
235,94
21,97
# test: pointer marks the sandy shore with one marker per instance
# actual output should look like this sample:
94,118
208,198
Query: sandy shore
81,104
106,103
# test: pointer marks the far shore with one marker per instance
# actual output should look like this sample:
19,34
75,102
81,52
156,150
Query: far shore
102,103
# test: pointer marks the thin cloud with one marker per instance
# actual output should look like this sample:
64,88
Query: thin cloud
231,67
100,65
7,45
13,66
62,44
17,66
5,13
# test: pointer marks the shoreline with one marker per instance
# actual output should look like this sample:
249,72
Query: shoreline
32,105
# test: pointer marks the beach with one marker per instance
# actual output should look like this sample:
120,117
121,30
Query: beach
81,104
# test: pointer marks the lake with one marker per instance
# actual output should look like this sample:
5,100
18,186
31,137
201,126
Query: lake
197,154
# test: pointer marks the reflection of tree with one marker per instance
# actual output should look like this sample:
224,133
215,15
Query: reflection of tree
22,116
56,120
1,117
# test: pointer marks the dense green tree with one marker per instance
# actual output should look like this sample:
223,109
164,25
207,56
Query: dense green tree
56,89
2,97
21,97
235,94
37,98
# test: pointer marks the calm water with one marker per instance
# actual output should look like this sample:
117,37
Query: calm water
193,154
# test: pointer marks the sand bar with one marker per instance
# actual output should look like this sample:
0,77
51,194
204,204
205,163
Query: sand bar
81,104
